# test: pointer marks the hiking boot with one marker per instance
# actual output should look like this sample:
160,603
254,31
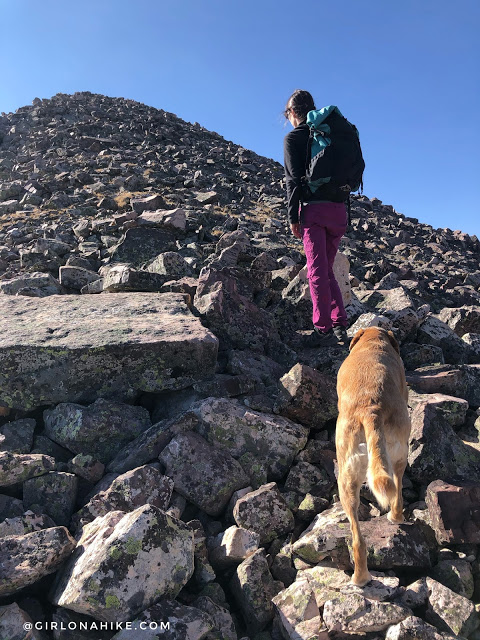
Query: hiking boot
319,339
341,335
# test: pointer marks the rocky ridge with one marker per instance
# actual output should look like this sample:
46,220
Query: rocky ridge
167,446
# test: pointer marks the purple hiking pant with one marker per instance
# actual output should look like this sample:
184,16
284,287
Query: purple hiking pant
323,224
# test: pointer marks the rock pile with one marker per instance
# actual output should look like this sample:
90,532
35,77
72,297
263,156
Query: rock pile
167,440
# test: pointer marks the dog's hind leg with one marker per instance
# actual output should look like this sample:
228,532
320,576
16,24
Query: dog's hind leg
350,478
395,515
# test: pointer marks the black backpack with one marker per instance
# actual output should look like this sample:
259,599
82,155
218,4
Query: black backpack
334,164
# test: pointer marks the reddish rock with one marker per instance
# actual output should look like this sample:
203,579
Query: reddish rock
454,511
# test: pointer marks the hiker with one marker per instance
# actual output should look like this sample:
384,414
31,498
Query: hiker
317,215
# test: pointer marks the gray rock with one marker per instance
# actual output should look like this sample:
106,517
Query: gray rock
16,624
147,203
55,493
174,218
462,320
308,478
24,524
418,355
170,264
17,467
294,606
236,320
388,546
449,611
75,349
454,513
271,439
169,620
221,617
76,277
30,557
124,563
434,331
149,444
413,628
142,244
456,575
100,430
355,613
415,595
435,451
232,546
86,467
265,512
10,507
145,485
307,396
123,278
253,588
45,283
204,475
17,436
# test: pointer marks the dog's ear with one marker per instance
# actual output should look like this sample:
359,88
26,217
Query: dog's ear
356,338
393,341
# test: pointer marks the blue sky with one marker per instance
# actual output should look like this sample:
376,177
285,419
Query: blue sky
406,73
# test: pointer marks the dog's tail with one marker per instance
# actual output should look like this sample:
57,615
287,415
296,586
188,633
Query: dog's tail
379,475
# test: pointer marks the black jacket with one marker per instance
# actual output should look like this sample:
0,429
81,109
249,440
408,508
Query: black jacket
295,162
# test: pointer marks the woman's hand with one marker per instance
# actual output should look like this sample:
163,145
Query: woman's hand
295,227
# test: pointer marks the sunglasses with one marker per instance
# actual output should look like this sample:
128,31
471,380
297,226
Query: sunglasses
287,111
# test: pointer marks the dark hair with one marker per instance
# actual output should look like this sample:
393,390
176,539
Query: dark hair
301,102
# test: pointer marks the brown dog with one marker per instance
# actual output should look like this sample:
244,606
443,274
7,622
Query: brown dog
373,428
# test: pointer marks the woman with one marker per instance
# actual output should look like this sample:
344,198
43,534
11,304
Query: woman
319,222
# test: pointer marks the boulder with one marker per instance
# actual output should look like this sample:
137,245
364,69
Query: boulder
152,202
307,396
169,620
449,611
328,582
435,451
265,512
412,628
55,493
17,436
18,467
204,475
221,617
44,283
253,588
456,574
354,613
151,442
145,485
389,546
454,510
170,264
26,523
236,320
101,430
232,546
294,606
230,425
28,558
79,348
123,278
461,320
174,218
16,624
76,277
141,244
434,331
124,563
